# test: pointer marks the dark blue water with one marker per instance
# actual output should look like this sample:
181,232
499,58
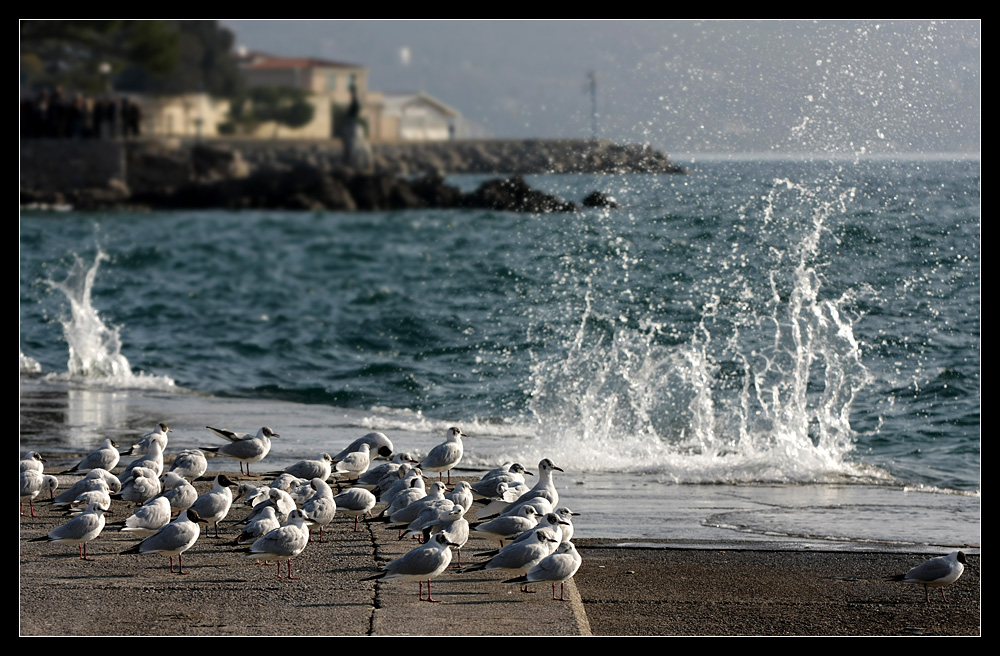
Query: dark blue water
749,322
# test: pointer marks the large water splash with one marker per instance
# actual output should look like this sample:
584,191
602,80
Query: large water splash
762,388
94,347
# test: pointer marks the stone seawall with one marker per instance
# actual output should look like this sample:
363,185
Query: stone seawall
55,165
148,172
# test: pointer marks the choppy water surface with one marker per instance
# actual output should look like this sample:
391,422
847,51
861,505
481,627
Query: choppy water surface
752,322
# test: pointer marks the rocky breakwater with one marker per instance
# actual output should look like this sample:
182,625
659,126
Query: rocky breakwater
310,176
522,156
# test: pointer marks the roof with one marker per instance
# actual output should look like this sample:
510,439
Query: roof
395,102
296,62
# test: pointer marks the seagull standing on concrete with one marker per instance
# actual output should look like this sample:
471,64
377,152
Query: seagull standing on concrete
243,447
423,563
79,531
173,539
445,456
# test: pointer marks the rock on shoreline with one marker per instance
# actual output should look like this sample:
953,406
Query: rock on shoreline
166,174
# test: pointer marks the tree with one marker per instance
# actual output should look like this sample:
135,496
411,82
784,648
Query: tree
206,64
73,53
286,106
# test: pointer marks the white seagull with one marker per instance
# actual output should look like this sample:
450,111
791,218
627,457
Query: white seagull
286,542
153,460
423,563
148,518
79,531
377,442
521,557
158,435
310,469
213,506
557,568
32,460
141,486
445,456
191,464
268,521
936,573
32,484
506,527
544,489
86,484
320,508
356,502
173,539
105,457
243,447
354,463
178,491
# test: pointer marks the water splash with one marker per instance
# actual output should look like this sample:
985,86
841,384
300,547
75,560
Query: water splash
761,389
94,347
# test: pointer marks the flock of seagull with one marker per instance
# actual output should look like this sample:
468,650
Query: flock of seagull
532,531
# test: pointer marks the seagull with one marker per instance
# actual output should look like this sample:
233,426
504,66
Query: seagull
560,529
79,531
286,542
268,521
191,464
521,557
32,460
427,518
213,506
148,518
377,442
544,488
936,573
508,473
424,562
100,495
401,481
503,494
153,460
251,494
356,462
178,491
506,527
451,523
445,456
461,494
415,491
355,501
242,447
557,568
566,515
321,508
158,435
310,469
173,539
141,486
86,484
106,457
435,496
32,484
372,478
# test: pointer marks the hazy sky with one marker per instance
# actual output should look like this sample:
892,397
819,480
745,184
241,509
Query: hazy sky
684,86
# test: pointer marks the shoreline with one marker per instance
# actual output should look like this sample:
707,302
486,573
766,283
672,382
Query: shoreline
746,589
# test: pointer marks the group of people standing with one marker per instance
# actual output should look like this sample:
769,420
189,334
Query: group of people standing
51,114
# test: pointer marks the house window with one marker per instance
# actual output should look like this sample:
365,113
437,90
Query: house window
331,81
352,80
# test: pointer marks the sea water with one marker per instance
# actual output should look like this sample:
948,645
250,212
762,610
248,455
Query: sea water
779,349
